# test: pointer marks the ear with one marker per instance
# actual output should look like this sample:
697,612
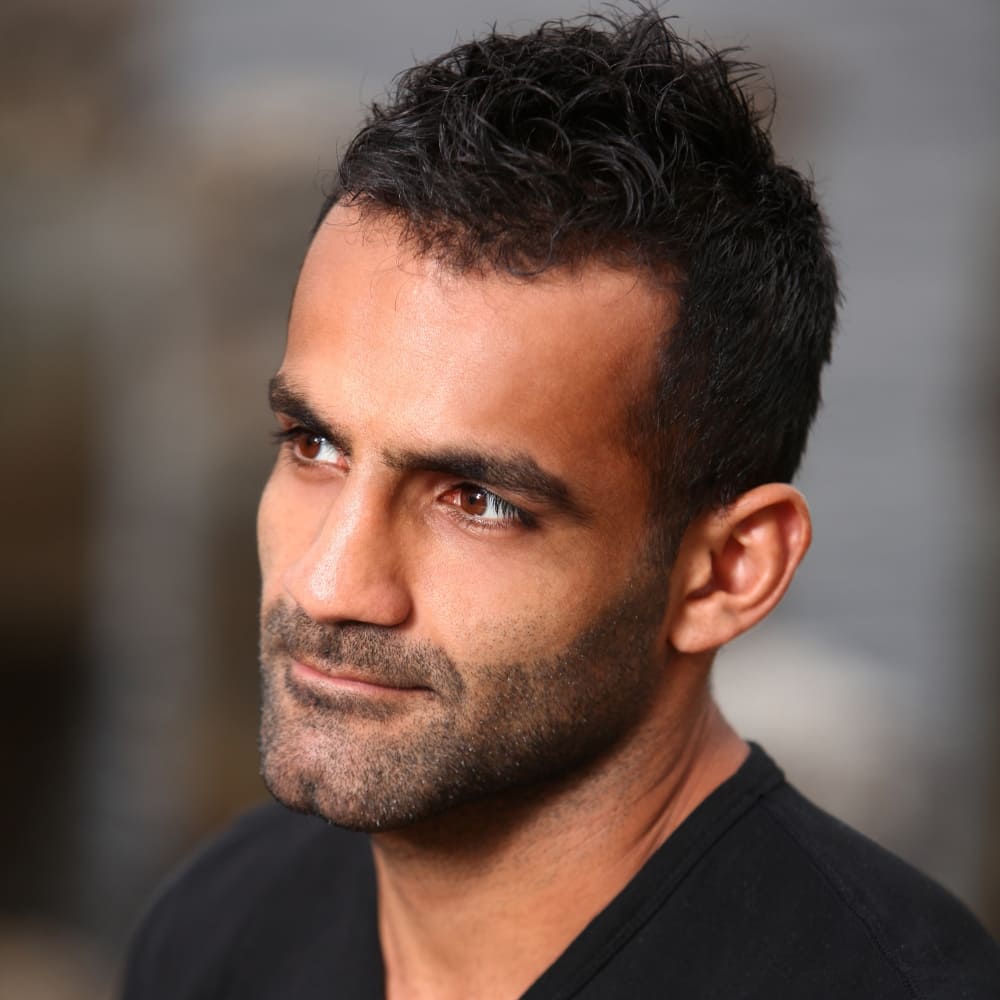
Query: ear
734,565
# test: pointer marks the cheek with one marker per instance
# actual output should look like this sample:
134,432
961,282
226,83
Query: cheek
497,608
284,530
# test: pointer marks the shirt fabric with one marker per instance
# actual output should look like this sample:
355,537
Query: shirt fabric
758,894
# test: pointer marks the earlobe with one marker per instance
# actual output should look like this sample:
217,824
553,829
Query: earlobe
735,565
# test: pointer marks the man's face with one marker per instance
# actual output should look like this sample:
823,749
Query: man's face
456,599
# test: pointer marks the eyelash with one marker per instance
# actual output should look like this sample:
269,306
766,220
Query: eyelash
510,512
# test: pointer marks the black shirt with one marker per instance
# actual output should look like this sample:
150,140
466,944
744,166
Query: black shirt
757,894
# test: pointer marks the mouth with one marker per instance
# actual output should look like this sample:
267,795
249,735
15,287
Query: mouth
349,680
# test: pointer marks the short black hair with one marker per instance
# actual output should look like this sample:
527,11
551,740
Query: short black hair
611,137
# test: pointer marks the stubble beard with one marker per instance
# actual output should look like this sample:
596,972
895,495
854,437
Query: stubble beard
469,732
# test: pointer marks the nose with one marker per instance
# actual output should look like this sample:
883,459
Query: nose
352,571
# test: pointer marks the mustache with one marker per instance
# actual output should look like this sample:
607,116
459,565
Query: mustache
384,656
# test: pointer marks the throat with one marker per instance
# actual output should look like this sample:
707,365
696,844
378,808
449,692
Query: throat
482,901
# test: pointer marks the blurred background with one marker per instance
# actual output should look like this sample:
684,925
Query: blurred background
161,166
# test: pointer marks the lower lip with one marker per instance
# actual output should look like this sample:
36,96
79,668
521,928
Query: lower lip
306,674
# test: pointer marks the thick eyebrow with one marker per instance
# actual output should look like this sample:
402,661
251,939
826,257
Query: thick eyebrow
290,402
518,473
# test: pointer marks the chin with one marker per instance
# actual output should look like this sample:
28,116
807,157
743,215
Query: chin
355,772
376,793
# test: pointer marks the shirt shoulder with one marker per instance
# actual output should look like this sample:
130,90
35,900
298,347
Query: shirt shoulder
927,940
760,894
203,921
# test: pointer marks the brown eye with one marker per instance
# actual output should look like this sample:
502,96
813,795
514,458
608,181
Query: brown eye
473,500
309,445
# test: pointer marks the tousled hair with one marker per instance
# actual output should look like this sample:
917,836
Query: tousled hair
612,138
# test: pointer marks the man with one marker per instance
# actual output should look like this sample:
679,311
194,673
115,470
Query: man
552,360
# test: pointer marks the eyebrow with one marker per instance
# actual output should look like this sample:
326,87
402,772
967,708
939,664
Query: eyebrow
517,473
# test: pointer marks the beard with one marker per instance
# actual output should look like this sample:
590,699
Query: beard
457,733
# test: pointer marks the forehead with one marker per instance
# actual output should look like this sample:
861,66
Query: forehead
399,346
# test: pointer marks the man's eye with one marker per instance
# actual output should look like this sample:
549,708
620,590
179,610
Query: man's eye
307,446
481,504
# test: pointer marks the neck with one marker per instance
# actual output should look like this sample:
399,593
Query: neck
479,902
